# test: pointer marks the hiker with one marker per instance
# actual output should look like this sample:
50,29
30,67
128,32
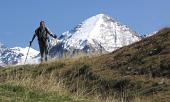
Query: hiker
42,33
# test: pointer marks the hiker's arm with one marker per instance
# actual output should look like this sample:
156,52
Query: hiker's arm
32,39
51,34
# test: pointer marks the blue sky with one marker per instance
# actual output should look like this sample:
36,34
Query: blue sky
19,18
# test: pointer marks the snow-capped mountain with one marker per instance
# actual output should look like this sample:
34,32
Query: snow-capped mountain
99,33
16,55
31,56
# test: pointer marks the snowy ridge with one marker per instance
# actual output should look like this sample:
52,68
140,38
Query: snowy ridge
31,56
98,33
16,55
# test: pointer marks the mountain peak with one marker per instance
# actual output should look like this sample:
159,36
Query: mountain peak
100,15
99,33
99,18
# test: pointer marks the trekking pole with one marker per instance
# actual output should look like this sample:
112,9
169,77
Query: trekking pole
27,53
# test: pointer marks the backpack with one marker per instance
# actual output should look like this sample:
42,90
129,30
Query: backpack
42,35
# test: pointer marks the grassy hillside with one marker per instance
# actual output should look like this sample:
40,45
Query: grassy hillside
136,73
16,93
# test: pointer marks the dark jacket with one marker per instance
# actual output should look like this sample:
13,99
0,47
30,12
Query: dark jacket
42,34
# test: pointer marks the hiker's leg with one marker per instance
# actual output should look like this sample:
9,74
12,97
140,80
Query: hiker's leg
42,54
46,52
41,51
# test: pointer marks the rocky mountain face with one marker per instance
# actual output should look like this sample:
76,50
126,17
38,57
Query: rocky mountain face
97,34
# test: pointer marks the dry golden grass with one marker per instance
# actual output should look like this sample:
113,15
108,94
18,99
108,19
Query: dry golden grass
49,77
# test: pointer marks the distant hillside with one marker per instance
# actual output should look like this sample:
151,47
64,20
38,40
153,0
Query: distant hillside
136,73
150,56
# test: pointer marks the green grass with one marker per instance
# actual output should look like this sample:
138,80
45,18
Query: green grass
15,93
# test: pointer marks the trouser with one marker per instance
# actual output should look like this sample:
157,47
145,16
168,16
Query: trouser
43,50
